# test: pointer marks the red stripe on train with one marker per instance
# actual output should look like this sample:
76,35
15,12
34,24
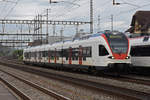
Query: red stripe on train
80,55
70,55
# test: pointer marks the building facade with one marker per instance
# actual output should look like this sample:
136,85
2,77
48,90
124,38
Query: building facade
140,23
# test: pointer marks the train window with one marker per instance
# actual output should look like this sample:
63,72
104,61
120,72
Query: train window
87,51
140,51
84,58
102,51
75,54
34,54
65,53
84,51
66,58
46,53
43,53
52,54
40,55
76,58
27,55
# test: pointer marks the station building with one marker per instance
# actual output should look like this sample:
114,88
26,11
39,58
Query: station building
140,23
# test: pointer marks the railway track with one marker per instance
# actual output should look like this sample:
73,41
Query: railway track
112,90
134,80
128,78
20,94
125,78
24,96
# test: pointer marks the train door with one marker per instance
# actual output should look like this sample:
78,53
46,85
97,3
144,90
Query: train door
55,60
36,59
40,56
80,55
49,57
70,55
62,53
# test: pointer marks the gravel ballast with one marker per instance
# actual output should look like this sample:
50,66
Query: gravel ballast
68,90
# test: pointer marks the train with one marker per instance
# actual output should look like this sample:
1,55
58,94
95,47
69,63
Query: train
100,51
140,51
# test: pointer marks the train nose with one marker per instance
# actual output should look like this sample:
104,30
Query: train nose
120,56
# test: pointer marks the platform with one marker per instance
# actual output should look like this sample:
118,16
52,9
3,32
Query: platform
5,93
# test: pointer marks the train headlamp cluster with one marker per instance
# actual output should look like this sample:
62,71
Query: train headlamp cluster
128,57
111,57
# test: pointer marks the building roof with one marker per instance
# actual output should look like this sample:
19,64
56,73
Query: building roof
143,19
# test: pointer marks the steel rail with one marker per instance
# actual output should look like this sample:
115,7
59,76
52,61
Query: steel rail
109,89
42,89
15,90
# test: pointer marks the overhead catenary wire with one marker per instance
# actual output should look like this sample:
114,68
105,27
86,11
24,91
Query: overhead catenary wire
121,13
3,8
68,10
11,9
6,6
124,12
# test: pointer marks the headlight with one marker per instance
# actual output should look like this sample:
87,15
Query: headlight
128,57
111,57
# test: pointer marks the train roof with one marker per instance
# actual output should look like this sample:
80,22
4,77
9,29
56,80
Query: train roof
67,42
144,40
83,40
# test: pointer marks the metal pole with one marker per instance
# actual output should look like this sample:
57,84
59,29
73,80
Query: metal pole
91,16
3,29
54,30
41,26
34,26
61,34
98,25
77,29
38,29
112,23
113,2
21,34
47,28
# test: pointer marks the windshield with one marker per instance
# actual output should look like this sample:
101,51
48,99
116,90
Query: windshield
118,42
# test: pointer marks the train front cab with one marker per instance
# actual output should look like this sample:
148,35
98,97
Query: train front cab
114,53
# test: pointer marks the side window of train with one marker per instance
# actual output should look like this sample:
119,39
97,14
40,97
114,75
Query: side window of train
75,53
46,53
87,52
66,53
133,51
43,53
140,51
102,51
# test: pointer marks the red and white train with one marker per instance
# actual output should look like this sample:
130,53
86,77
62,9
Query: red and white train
96,51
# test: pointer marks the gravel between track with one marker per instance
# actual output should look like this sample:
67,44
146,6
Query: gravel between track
71,91
33,93
98,79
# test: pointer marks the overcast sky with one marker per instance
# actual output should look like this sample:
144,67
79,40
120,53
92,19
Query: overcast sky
28,9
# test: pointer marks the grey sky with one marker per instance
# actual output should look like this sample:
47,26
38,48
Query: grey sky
27,9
